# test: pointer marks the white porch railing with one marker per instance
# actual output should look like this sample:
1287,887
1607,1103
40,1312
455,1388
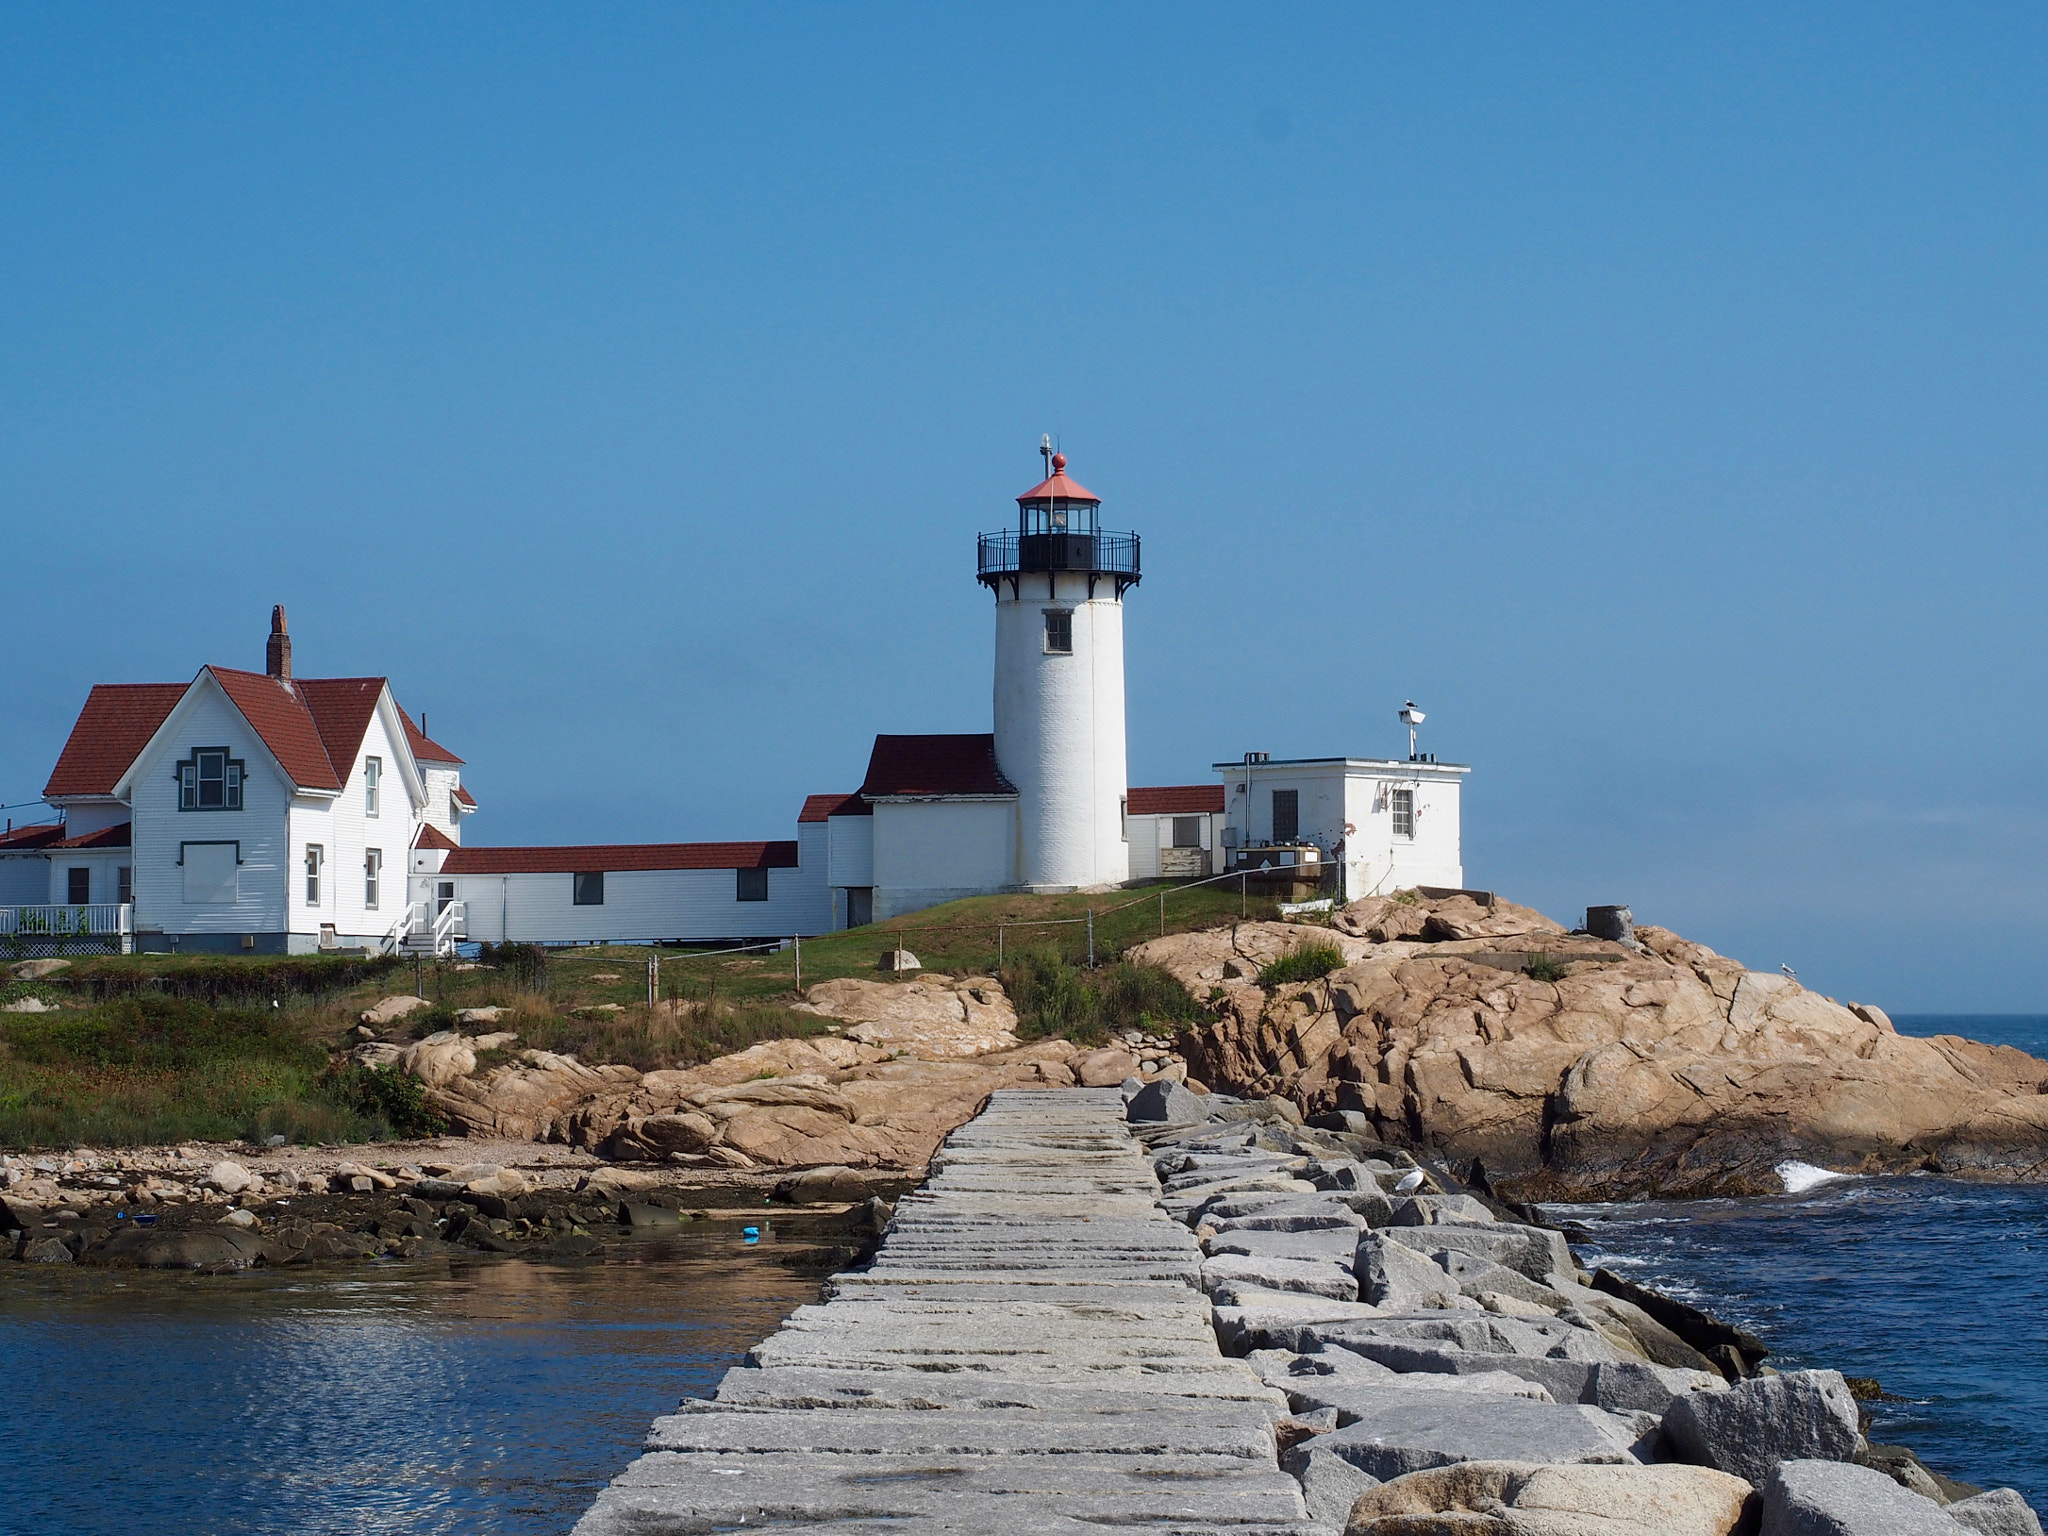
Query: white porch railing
102,924
450,924
434,934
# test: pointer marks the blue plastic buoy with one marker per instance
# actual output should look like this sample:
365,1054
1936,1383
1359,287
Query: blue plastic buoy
751,1234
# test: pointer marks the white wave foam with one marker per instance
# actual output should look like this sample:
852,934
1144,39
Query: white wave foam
1799,1177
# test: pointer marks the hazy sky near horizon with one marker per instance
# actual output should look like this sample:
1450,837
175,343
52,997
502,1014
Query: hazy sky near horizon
1656,396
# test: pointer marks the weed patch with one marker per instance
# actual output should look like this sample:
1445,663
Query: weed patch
1307,962
1055,999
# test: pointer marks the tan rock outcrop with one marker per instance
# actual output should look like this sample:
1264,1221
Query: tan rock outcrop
931,1017
529,1101
440,1058
1658,1068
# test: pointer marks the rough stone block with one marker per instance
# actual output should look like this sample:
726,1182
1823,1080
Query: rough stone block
2001,1512
1839,1498
1330,1485
1396,1277
1413,1430
1167,1101
1750,1427
1534,1251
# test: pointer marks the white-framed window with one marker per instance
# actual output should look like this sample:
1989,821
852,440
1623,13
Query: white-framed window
373,774
1187,831
1059,631
586,889
752,885
210,780
373,869
315,854
1404,812
124,884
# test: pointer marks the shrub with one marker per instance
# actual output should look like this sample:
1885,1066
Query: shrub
1146,997
1050,1000
1546,967
396,1098
225,978
1306,962
526,964
1055,999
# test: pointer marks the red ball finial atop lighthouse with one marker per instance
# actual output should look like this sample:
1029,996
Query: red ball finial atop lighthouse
1059,462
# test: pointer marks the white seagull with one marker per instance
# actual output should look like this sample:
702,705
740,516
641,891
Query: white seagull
1411,1181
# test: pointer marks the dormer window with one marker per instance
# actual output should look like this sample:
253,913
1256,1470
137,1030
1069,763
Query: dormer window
210,780
373,772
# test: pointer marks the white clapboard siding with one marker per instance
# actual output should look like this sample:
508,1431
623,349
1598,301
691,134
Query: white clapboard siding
852,861
640,906
929,851
261,827
351,831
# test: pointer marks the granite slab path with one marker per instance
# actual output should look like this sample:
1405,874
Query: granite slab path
1028,1353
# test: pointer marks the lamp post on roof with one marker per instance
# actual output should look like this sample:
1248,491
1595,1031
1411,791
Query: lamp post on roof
1059,579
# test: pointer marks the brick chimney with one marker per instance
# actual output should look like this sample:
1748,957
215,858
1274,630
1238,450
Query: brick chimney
277,655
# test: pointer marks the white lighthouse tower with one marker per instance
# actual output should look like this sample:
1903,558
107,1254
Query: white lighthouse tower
1059,582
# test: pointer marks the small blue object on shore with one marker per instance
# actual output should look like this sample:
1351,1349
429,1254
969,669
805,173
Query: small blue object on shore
751,1234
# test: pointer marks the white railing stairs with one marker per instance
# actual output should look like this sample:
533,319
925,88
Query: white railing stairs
419,932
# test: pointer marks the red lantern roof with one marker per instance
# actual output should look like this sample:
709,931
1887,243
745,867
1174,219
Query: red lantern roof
1059,485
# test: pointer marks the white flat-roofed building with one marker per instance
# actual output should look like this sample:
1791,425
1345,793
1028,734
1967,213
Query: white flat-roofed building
1388,823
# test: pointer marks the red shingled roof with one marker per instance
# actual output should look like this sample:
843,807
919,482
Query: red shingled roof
825,807
431,836
464,796
106,837
116,723
279,714
935,765
314,727
1175,800
424,748
39,836
612,857
341,708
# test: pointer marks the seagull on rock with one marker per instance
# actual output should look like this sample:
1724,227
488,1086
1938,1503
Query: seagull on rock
1411,1181
1789,971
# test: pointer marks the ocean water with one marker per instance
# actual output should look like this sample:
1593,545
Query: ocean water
495,1395
1937,1287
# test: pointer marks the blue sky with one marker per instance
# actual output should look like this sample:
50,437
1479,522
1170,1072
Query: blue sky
1655,396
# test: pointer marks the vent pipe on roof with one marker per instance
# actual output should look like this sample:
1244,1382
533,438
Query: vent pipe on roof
277,655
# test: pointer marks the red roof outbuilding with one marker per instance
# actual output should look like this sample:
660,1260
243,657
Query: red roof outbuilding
825,807
935,766
1175,800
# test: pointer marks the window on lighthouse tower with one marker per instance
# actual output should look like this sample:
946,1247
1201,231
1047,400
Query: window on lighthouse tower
1059,631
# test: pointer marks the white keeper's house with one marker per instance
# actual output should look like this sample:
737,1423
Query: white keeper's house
263,812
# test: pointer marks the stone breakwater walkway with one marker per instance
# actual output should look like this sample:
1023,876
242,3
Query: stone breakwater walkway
1029,1353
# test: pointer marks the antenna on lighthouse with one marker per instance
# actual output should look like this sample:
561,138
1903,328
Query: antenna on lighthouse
1411,717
